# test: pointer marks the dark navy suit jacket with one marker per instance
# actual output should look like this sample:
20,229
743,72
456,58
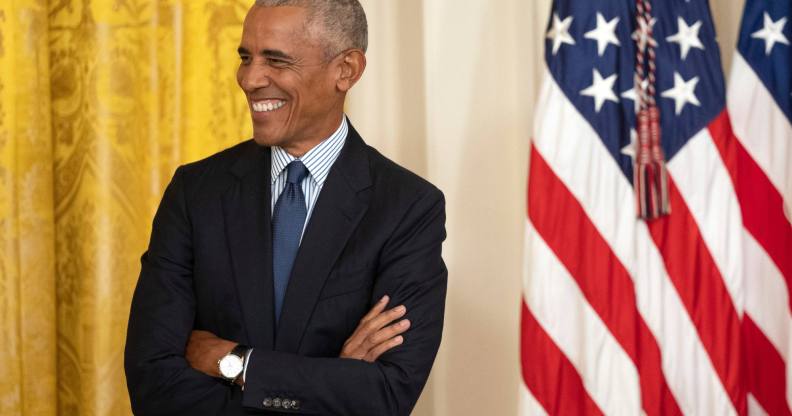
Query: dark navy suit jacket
376,229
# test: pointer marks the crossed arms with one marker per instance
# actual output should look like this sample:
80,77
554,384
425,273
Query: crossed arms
383,366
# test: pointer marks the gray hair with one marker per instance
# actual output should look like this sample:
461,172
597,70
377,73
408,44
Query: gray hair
342,23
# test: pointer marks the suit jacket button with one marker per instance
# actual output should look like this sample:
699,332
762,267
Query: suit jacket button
286,404
295,404
276,402
267,402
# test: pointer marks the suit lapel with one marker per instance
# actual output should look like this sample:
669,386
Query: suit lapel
246,206
341,205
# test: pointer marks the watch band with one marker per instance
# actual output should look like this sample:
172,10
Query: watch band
240,351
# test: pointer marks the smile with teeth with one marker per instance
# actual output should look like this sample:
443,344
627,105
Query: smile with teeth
267,106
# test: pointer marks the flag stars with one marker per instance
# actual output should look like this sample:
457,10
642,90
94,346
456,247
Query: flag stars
687,37
683,92
632,94
601,90
559,33
771,33
604,33
629,149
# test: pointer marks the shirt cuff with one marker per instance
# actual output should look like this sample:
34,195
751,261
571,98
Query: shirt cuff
244,369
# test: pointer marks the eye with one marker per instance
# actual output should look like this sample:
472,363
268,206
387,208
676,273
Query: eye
277,62
245,59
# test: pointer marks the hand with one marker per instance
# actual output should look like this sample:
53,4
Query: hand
204,349
376,333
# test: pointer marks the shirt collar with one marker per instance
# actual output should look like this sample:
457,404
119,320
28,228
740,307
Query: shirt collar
318,160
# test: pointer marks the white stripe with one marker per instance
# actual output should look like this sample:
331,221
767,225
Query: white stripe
571,147
751,276
705,185
761,127
529,406
767,302
552,295
766,296
754,408
766,134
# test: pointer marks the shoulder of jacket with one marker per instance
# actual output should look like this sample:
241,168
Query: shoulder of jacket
221,160
390,174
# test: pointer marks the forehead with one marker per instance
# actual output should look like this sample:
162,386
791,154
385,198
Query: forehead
268,26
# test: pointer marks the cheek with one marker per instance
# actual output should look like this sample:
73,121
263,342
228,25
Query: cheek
319,92
240,76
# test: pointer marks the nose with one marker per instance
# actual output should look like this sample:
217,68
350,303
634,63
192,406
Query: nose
252,77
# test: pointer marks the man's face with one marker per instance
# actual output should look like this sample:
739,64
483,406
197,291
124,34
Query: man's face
289,83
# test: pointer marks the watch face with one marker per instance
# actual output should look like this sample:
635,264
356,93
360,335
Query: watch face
230,366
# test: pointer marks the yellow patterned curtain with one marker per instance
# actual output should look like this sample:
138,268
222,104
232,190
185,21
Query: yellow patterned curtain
100,100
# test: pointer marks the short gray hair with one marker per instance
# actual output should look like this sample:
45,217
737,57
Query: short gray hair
343,22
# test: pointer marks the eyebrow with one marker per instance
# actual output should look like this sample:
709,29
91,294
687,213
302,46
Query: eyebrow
274,53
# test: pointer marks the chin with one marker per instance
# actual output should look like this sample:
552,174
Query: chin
263,141
266,138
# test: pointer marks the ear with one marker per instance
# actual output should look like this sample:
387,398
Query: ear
351,66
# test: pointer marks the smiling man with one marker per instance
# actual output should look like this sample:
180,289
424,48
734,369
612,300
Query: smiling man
298,272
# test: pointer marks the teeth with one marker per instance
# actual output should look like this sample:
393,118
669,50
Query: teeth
263,107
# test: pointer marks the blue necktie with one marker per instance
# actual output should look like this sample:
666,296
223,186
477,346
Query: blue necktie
287,226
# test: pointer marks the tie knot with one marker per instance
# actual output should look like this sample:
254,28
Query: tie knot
296,172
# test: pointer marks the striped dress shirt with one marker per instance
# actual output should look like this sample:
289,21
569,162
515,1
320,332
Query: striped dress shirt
318,161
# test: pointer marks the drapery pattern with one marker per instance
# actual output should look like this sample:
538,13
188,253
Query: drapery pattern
27,220
99,101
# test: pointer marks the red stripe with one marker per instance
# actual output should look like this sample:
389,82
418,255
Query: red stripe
765,370
762,205
549,375
563,224
703,292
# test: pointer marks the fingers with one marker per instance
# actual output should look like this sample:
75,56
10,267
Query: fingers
391,331
377,309
378,332
372,347
380,349
369,327
384,318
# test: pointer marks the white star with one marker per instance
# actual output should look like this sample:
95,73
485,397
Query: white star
601,90
772,32
560,32
632,94
641,35
687,37
629,150
683,92
604,33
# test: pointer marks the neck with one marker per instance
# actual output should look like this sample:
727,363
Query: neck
299,149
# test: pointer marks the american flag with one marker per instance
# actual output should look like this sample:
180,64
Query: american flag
688,313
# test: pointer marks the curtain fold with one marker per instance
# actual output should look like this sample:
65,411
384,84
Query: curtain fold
99,102
27,279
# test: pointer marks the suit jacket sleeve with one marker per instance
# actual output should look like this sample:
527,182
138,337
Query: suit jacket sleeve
159,379
161,382
412,272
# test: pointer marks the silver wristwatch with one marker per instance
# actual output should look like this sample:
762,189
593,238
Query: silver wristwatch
233,363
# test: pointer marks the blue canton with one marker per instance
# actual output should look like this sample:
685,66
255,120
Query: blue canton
768,55
590,53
